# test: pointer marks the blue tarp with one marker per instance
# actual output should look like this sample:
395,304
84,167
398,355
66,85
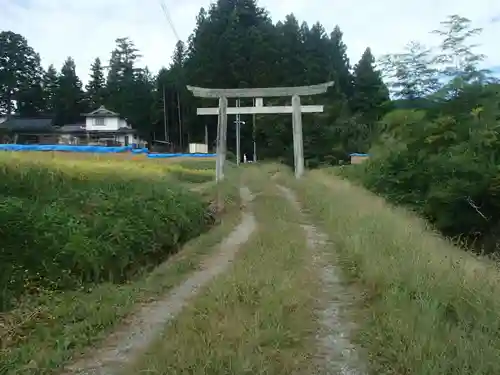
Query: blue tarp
140,151
96,150
356,154
65,148
181,155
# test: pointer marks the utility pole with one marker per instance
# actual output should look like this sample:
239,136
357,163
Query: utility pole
206,136
165,126
253,131
238,133
180,118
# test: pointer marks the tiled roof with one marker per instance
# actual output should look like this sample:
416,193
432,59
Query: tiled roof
26,124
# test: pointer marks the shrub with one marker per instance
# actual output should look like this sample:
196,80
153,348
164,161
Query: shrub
444,167
62,228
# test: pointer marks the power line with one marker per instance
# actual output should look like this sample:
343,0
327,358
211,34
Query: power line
169,19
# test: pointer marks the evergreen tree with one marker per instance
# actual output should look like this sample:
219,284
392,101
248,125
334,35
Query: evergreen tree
121,76
340,63
70,97
50,88
370,92
96,87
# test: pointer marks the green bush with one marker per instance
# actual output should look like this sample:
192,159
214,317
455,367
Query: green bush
63,229
444,167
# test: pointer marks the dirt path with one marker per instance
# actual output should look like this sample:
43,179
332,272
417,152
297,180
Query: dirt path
122,346
335,354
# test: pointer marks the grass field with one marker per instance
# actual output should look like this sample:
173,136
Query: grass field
80,234
429,307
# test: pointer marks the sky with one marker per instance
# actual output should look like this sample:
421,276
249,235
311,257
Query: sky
86,29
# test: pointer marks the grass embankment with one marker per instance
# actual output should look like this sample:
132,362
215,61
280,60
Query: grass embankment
68,237
430,307
258,317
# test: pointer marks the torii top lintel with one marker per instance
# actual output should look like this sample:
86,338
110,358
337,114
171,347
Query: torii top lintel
201,92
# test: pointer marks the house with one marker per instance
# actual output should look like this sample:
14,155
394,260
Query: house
27,130
103,126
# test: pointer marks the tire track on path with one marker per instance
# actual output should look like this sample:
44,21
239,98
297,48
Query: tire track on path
335,354
123,345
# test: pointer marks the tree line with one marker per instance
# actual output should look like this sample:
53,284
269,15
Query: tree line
430,126
234,44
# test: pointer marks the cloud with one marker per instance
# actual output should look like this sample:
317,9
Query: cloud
86,29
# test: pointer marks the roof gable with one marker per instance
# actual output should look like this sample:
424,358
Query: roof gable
102,112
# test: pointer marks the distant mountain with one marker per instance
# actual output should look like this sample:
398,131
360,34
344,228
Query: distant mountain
495,70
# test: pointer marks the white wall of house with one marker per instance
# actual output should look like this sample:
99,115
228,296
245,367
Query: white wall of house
3,119
104,123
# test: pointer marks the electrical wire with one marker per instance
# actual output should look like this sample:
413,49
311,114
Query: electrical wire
169,19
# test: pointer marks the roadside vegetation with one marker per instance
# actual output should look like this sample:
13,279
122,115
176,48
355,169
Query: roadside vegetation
258,318
429,307
78,249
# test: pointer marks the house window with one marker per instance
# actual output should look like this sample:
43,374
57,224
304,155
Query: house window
99,121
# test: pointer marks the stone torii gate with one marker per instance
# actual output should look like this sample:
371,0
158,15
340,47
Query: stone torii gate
259,93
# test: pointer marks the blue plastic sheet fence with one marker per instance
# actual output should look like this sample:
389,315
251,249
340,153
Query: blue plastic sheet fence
66,148
96,150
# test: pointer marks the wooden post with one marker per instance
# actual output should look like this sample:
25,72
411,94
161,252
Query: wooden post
222,138
297,136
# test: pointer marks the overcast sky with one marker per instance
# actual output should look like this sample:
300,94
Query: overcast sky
86,29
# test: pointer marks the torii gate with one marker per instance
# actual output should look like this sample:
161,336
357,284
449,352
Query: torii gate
259,93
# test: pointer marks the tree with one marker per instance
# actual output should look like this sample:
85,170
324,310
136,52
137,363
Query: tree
370,92
340,63
50,88
70,97
96,87
20,75
129,89
411,73
121,76
457,60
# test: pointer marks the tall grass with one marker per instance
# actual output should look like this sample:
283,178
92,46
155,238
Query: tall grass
67,223
430,307
44,332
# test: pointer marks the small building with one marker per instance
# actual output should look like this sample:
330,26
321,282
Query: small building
27,130
359,158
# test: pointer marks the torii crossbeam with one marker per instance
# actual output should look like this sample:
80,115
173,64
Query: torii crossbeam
259,93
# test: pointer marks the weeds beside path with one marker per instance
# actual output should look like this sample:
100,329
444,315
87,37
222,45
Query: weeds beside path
429,308
49,331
